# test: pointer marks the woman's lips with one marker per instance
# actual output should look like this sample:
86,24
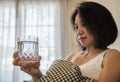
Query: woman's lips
82,38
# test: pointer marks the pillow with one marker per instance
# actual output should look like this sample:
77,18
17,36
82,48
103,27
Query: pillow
64,71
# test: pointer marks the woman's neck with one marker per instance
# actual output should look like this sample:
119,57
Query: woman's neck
93,51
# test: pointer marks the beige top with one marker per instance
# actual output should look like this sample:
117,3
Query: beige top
92,68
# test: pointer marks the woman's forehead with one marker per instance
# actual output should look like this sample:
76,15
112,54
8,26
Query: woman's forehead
78,19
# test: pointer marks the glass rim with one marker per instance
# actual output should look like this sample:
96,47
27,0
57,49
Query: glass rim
27,38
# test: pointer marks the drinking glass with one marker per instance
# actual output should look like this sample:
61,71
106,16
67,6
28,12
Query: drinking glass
27,48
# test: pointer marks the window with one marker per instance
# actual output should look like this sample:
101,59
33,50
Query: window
38,18
27,17
7,39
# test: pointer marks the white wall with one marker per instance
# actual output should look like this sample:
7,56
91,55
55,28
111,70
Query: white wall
114,7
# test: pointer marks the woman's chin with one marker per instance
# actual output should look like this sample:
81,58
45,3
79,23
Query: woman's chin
83,45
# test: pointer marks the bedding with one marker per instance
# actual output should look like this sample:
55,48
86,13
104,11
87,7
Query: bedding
64,71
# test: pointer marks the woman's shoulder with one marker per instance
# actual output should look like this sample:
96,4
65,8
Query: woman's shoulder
112,55
111,66
113,52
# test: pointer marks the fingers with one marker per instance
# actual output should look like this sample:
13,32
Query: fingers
29,64
27,70
24,64
30,67
16,59
15,54
39,57
31,71
35,64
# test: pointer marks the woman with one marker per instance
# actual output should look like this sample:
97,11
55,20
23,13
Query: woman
95,30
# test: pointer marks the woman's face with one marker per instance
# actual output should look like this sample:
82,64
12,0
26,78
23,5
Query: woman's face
85,38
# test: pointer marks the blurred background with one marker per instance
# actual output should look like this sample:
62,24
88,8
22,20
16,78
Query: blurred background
47,19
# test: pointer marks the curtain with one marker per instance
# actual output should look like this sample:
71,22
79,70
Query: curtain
42,18
7,39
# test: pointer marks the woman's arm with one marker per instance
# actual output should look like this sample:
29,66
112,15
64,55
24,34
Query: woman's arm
111,67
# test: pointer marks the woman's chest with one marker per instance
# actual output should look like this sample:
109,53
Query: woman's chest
83,59
90,67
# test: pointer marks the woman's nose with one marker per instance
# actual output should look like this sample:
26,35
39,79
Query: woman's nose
79,31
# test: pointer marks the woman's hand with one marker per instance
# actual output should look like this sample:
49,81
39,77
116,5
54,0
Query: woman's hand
30,67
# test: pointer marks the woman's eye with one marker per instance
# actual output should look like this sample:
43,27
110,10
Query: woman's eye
75,27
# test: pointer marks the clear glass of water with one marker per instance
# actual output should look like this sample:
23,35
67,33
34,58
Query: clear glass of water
27,48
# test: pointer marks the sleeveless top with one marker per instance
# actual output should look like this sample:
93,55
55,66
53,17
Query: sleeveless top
93,67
